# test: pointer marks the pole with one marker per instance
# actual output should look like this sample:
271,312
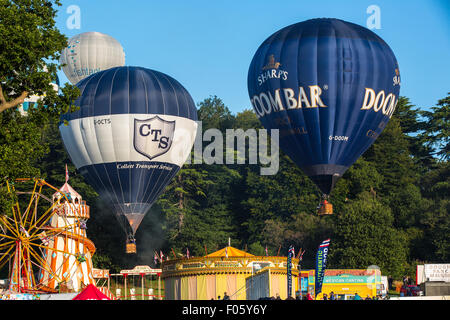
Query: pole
125,277
150,296
19,252
159,286
251,283
142,285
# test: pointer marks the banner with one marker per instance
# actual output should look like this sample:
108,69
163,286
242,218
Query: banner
437,272
100,273
321,263
289,271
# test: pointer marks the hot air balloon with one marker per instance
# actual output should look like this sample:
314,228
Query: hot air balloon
90,52
134,130
330,87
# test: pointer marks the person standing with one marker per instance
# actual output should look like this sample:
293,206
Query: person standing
332,296
390,282
405,280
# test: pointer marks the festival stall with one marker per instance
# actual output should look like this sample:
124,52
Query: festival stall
226,270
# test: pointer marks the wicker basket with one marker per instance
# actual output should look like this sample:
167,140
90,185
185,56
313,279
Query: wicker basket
131,248
326,208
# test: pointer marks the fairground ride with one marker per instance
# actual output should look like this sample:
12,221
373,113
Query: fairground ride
43,238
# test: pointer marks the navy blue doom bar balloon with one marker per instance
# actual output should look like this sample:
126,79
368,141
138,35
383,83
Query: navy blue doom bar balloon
134,130
330,87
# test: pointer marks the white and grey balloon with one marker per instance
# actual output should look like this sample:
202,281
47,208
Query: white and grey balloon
90,52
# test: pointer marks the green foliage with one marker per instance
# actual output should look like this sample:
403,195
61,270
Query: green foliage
365,235
30,44
413,126
215,114
437,133
20,145
257,249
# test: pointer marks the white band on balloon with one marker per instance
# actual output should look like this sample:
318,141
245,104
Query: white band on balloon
129,138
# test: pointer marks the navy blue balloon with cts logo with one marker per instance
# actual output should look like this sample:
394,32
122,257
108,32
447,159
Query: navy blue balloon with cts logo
330,87
134,130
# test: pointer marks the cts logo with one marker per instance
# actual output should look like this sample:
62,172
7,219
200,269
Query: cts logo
153,137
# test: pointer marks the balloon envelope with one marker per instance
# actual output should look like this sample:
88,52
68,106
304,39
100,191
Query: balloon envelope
134,130
90,52
330,87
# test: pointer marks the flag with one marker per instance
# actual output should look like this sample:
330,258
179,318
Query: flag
226,252
187,253
267,252
155,259
301,254
67,174
289,270
174,255
292,251
321,263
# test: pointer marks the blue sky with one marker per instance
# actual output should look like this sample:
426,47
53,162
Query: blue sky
208,45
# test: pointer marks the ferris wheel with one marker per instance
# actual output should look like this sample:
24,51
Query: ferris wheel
43,238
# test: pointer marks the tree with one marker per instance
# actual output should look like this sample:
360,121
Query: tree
390,155
21,145
247,119
215,114
413,127
273,200
437,133
365,235
29,42
434,222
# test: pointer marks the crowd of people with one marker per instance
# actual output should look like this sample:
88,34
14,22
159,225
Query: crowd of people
331,296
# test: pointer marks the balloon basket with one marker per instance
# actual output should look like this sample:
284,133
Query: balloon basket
131,248
325,208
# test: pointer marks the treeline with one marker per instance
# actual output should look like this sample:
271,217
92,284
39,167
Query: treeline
391,207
